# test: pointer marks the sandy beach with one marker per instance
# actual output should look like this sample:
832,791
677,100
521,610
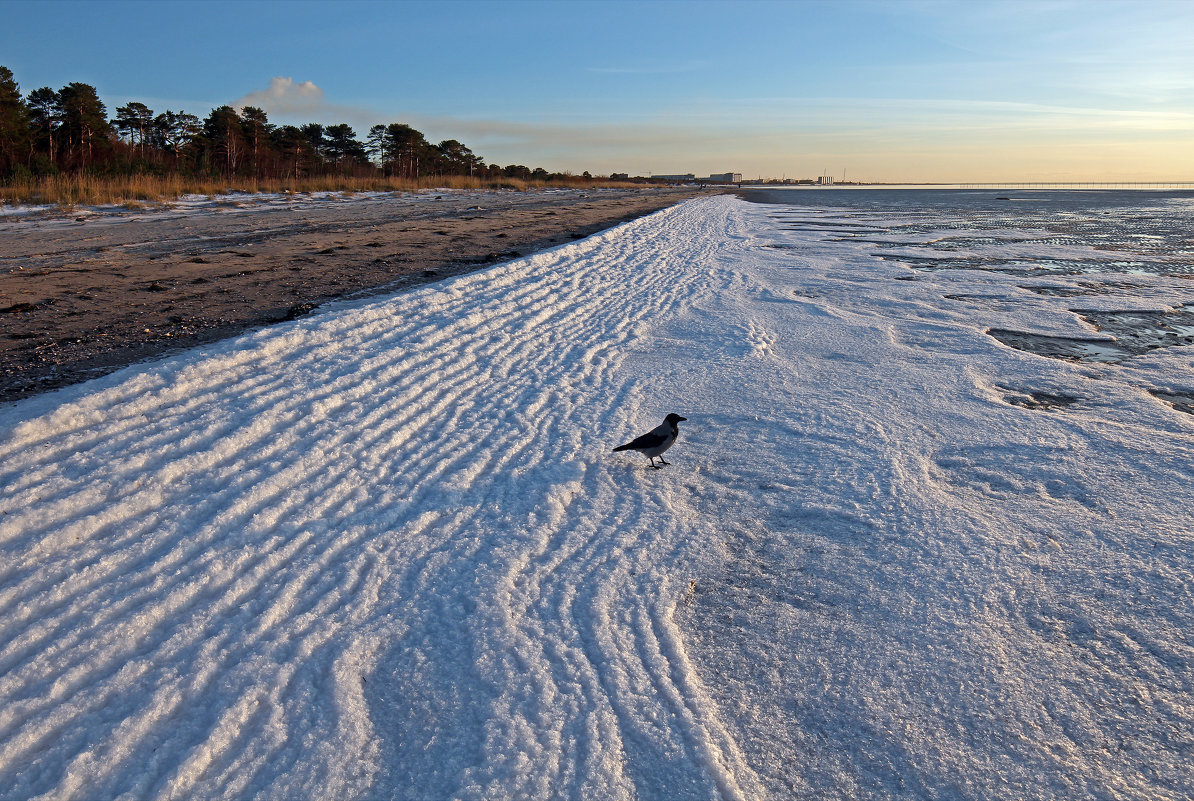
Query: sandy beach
86,293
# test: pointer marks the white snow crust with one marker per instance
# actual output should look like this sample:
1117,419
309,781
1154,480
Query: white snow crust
385,552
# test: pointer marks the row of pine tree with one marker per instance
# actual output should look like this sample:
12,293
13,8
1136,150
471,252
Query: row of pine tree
52,132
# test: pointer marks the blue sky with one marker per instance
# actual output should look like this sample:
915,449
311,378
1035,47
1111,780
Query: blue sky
894,90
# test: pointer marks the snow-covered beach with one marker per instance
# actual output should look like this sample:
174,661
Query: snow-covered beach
384,551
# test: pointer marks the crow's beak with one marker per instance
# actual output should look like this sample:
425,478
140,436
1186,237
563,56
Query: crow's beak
682,419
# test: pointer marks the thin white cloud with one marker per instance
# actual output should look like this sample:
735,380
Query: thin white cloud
286,101
283,96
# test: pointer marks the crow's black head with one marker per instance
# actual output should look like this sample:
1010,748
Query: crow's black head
674,418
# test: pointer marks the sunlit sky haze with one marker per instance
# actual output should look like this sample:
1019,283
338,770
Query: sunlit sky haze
1047,90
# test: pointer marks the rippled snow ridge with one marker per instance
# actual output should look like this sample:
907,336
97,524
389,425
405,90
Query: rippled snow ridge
385,552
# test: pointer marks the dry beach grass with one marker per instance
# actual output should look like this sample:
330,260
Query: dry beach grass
83,189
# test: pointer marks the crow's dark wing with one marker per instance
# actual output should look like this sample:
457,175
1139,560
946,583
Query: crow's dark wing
651,439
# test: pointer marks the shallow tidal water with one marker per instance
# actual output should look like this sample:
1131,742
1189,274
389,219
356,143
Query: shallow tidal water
1095,242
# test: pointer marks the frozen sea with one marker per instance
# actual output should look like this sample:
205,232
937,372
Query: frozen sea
925,534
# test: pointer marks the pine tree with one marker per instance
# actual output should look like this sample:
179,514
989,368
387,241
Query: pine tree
224,140
45,112
407,148
256,129
295,148
85,123
375,146
341,147
135,119
14,124
313,131
173,132
457,158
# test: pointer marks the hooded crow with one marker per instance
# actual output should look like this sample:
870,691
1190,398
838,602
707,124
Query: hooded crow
657,440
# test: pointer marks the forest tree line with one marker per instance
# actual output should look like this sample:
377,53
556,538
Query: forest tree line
50,132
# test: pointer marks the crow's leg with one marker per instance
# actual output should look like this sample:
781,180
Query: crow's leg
653,465
663,462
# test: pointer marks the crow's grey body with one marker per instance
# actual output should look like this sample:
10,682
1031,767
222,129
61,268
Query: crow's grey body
657,440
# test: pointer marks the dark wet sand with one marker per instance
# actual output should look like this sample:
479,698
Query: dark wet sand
82,298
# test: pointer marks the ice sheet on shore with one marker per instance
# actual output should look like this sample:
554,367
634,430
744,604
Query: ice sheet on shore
384,551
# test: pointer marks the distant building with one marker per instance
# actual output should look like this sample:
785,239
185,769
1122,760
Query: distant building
690,178
825,180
